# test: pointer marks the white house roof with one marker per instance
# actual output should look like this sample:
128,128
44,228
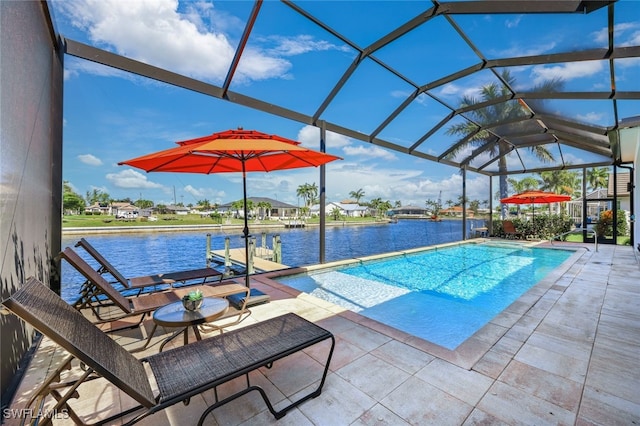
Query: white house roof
345,207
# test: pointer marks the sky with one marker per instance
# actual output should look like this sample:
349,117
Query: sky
111,116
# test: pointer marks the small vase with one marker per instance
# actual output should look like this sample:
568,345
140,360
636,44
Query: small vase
191,305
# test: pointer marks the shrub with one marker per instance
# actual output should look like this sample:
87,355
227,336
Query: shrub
604,227
542,226
216,217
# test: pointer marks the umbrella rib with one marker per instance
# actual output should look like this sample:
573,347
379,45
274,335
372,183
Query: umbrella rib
160,166
215,163
293,154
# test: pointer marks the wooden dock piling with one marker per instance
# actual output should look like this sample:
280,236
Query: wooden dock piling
261,258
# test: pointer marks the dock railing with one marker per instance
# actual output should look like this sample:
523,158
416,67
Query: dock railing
230,257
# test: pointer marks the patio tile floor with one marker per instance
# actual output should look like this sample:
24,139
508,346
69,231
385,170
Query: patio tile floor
566,352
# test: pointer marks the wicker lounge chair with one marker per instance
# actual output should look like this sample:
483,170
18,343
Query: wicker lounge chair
510,230
98,295
195,276
179,373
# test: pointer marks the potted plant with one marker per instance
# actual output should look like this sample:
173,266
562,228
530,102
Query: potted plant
192,300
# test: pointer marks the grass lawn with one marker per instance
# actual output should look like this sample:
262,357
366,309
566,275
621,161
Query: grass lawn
111,221
577,238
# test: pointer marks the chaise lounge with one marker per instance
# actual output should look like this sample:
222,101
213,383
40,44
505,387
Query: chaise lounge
200,276
109,306
179,373
510,230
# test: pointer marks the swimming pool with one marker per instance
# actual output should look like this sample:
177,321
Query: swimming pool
442,295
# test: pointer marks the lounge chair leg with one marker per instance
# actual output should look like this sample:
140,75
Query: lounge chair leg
276,414
143,347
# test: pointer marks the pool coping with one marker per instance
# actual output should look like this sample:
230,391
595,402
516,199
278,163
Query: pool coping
517,321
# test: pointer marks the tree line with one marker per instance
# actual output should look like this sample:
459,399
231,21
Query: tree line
560,181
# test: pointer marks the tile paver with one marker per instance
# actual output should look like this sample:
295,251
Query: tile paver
567,352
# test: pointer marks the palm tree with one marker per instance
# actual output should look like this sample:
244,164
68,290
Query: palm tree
264,207
238,206
524,184
336,213
502,111
380,206
308,192
597,177
204,203
384,207
560,181
435,207
357,195
474,205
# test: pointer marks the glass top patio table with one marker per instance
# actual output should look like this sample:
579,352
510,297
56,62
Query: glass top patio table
175,315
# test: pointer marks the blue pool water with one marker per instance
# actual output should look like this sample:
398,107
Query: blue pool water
148,253
443,295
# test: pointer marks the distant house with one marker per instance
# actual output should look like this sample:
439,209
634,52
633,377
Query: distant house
456,211
278,209
97,208
602,199
348,209
179,210
146,212
622,190
201,210
408,211
596,203
124,210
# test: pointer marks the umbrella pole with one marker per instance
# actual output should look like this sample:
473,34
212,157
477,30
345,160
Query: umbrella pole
246,226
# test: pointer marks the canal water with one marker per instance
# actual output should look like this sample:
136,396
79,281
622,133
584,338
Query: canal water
148,253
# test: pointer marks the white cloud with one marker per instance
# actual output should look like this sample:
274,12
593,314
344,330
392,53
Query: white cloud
200,193
568,71
131,179
89,159
590,117
620,31
403,94
297,45
408,185
369,151
99,188
452,90
310,136
513,23
519,51
199,42
153,31
74,67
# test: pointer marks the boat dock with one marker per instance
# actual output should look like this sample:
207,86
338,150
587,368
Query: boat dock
294,224
261,258
237,257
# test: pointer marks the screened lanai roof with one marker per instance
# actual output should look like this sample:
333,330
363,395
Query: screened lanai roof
450,82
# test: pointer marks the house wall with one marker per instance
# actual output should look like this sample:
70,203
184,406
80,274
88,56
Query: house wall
31,76
636,196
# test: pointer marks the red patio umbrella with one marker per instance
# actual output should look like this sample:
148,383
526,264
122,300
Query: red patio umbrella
233,151
535,197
